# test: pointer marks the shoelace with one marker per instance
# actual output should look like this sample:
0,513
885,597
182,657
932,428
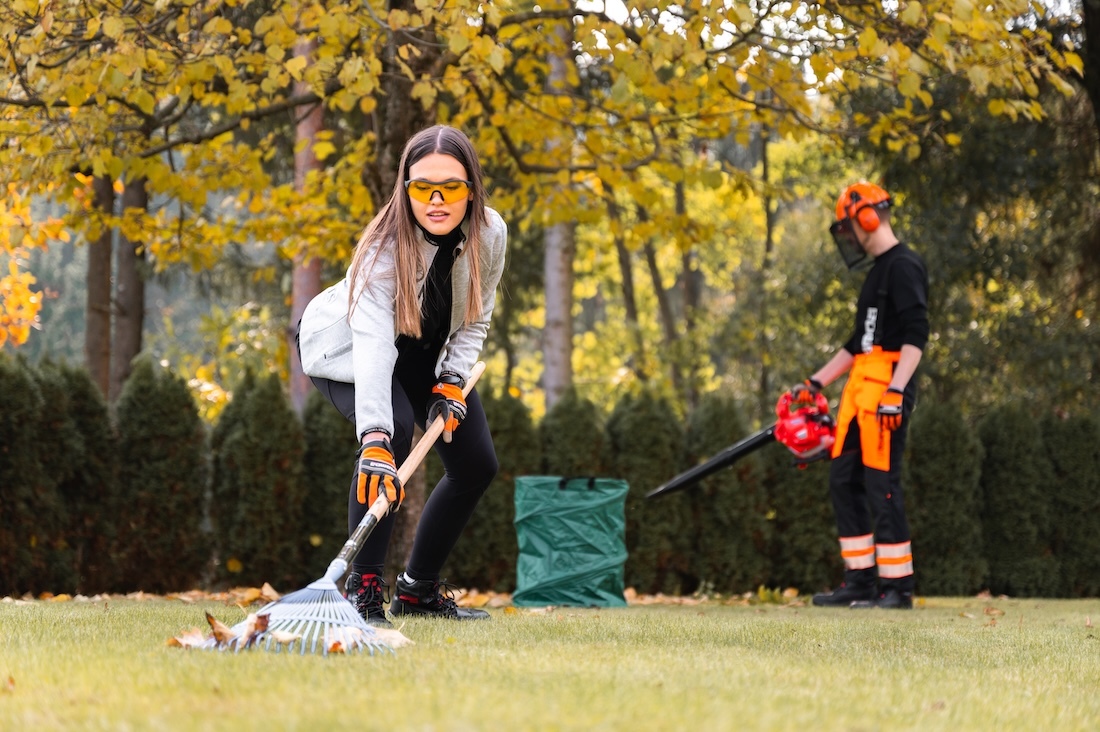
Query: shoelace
444,597
375,587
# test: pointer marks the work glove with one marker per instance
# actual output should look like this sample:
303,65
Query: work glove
889,409
805,393
378,474
447,400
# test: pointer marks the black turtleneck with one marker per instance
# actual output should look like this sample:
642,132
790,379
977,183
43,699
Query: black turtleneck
435,315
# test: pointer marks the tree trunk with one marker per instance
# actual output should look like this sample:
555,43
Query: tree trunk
691,286
129,292
560,238
97,311
630,302
557,334
765,274
306,274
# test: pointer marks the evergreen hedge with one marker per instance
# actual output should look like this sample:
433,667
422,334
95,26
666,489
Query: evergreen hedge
258,489
32,515
805,552
1073,446
328,470
645,448
227,477
1016,516
943,496
90,493
732,534
61,458
162,478
89,504
572,438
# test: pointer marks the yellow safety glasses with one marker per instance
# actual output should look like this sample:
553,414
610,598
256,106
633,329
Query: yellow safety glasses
451,191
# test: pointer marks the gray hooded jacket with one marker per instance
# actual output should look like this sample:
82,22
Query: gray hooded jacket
361,350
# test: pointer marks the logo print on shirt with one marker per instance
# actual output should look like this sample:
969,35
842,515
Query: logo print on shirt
867,343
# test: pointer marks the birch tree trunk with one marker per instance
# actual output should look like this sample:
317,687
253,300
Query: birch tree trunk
557,337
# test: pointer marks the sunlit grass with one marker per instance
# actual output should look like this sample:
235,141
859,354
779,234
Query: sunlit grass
947,665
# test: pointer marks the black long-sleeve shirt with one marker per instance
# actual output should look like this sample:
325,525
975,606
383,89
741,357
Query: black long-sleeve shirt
905,303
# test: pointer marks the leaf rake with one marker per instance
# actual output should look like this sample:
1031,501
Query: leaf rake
319,617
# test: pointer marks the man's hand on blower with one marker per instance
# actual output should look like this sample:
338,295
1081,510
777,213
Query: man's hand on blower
806,392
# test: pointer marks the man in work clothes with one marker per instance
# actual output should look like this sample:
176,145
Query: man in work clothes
891,331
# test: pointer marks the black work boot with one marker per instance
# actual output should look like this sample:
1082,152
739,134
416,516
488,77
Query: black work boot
858,586
889,599
367,593
423,597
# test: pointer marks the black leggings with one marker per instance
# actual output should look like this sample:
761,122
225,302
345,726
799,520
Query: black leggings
469,465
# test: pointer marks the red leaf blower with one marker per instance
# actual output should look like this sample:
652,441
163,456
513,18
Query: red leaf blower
807,430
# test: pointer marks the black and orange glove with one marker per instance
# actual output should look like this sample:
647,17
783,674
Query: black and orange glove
890,409
447,400
805,393
378,473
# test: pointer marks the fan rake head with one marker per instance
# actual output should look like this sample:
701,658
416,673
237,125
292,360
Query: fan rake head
317,619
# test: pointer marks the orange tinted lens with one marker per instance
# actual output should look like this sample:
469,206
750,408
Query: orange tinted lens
452,191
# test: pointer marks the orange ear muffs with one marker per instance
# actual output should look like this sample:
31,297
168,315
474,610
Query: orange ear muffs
868,217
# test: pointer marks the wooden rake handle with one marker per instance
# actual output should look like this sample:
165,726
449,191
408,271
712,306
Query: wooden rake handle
381,505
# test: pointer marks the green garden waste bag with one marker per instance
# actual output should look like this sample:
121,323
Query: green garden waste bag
571,536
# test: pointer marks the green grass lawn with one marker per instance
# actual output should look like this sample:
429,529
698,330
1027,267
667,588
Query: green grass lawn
948,665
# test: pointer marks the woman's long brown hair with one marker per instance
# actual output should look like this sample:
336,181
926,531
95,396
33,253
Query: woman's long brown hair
394,225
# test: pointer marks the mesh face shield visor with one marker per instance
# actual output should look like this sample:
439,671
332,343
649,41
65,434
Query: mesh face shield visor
847,244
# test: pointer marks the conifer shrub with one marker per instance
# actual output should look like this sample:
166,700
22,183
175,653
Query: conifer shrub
90,494
328,470
259,494
943,500
162,476
1073,446
31,511
485,556
805,551
572,437
645,448
732,535
62,457
228,477
1016,515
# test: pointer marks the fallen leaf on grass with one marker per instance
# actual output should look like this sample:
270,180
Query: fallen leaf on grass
393,637
283,637
966,615
254,626
1088,622
268,593
9,685
993,611
222,632
248,596
475,599
191,639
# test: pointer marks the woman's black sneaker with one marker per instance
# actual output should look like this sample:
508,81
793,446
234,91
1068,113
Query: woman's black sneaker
367,593
423,597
